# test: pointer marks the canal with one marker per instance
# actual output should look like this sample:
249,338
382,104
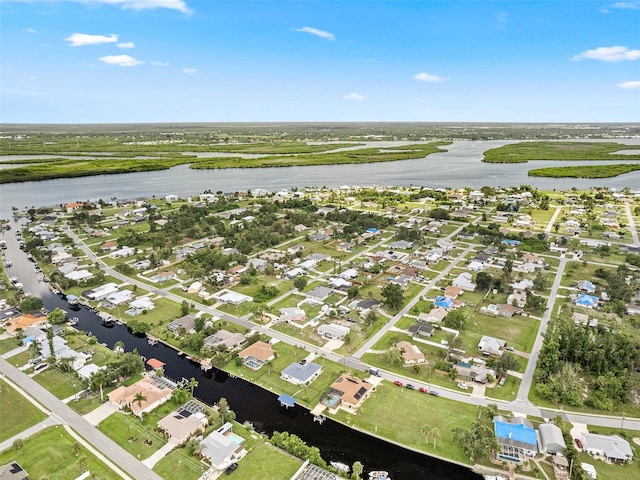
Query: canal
250,402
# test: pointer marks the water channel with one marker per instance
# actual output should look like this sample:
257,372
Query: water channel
250,402
460,166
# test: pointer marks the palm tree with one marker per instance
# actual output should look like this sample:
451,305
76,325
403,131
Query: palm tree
426,430
357,469
139,398
193,383
76,449
435,434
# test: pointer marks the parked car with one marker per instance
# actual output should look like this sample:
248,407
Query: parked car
510,348
434,393
463,386
231,468
578,443
410,387
502,380
423,390
398,383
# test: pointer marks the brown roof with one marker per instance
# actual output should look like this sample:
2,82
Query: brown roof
155,363
124,395
109,245
452,292
23,322
260,350
410,353
352,388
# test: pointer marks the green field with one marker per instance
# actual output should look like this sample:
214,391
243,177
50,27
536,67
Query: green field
50,454
12,401
266,463
586,171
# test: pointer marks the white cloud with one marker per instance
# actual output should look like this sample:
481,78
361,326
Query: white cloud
427,77
30,30
316,32
626,5
179,5
189,71
81,39
629,85
159,64
126,45
355,96
120,60
608,54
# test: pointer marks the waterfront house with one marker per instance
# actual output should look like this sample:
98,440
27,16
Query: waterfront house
347,392
551,439
155,393
187,322
223,337
299,374
184,422
516,438
222,447
256,355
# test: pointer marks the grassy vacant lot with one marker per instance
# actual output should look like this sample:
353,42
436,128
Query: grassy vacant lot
380,416
59,383
12,401
518,331
131,434
8,344
179,464
267,463
49,454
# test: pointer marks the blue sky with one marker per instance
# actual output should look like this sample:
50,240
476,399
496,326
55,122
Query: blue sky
107,61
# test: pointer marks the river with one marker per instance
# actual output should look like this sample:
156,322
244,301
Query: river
250,402
460,166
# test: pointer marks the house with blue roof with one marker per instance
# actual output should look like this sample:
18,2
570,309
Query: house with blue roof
512,243
442,301
587,301
516,438
299,373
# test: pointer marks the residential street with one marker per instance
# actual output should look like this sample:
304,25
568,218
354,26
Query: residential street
119,459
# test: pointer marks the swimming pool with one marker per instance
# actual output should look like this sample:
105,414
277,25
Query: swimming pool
236,438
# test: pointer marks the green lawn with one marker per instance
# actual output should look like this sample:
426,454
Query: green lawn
12,401
518,331
380,415
506,392
266,463
9,344
131,433
59,383
49,454
179,464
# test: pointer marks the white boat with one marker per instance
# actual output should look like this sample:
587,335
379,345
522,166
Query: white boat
340,467
379,475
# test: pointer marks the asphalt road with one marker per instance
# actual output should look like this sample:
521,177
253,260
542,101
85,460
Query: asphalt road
91,434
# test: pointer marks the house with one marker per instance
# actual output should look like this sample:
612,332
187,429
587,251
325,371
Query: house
222,447
586,286
347,392
516,438
185,422
308,264
345,246
436,315
519,299
22,322
119,297
142,303
258,263
400,245
319,293
339,283
155,393
123,252
333,331
421,330
411,354
163,277
522,285
464,281
223,337
292,315
490,346
365,306
551,439
586,301
187,322
79,275
194,288
349,274
612,448
294,272
453,292
507,310
299,374
109,246
256,355
580,318
474,373
443,302
475,266
13,471
401,280
231,297
88,370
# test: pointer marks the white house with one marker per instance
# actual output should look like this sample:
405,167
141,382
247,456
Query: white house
333,331
464,281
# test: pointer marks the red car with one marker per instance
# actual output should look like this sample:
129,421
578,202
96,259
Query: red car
400,384
578,443
423,390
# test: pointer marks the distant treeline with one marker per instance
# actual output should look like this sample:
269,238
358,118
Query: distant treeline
523,152
586,171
